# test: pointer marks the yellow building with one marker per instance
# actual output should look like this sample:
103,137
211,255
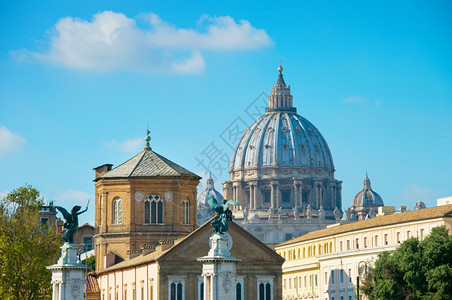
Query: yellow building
146,201
325,264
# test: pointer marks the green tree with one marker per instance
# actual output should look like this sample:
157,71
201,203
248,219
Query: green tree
91,263
26,247
415,270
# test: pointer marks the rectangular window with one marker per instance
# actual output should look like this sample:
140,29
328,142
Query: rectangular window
299,282
332,277
421,233
326,277
284,284
348,244
398,237
357,243
376,241
340,246
341,275
267,196
315,280
44,222
290,283
408,233
304,282
386,239
295,286
349,275
365,242
285,197
88,243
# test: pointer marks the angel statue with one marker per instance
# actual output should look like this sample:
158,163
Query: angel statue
71,223
220,223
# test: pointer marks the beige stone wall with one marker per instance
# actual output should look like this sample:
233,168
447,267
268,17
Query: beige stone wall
130,236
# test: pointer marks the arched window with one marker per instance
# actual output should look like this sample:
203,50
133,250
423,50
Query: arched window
117,211
186,211
153,210
238,291
304,252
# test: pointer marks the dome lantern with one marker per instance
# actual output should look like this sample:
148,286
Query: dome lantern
280,98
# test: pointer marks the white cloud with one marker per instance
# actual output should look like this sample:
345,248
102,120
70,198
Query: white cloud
112,41
414,193
10,141
73,197
362,100
356,99
127,146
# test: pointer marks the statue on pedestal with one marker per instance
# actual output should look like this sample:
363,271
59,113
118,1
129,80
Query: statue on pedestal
220,223
71,223
280,212
295,213
321,214
309,212
270,213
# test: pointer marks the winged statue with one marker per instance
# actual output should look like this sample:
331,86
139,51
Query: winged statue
224,214
71,223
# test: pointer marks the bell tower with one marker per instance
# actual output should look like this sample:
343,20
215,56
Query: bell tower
146,201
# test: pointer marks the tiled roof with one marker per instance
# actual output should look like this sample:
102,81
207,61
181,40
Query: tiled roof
91,286
410,216
158,254
148,164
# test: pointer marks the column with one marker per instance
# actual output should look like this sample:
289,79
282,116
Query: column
256,196
333,195
317,194
252,203
301,194
272,194
296,194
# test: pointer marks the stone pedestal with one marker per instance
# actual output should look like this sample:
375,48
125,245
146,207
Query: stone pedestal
68,276
219,271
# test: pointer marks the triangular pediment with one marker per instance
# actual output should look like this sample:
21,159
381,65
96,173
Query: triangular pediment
244,246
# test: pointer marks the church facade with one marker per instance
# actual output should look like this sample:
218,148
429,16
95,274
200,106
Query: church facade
282,173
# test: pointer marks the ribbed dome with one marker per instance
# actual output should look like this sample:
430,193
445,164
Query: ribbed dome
367,197
210,191
281,138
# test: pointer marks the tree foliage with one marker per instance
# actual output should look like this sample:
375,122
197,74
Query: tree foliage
26,247
91,263
415,270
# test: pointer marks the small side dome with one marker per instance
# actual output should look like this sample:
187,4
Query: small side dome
210,191
367,197
253,216
419,205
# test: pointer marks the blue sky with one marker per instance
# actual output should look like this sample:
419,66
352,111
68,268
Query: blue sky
80,81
